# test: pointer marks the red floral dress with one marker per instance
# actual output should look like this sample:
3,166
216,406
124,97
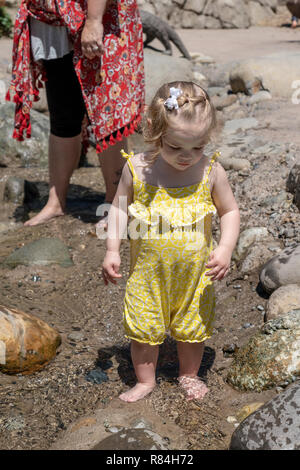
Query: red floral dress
112,86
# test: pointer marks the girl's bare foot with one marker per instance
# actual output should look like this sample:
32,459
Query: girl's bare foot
46,214
136,393
193,386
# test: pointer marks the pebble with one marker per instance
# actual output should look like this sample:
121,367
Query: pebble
231,419
247,325
260,307
96,376
76,336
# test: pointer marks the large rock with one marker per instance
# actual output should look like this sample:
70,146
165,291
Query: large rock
258,254
214,14
293,183
43,252
283,300
281,270
26,343
274,426
275,72
30,152
270,358
160,69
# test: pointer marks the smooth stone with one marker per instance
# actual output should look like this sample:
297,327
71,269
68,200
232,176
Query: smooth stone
27,343
43,252
14,190
283,300
282,269
260,96
271,357
274,426
247,238
76,336
235,125
237,164
132,439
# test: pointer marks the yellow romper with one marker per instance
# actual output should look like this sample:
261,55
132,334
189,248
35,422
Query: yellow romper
170,240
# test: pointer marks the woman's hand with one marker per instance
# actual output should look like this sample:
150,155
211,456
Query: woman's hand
92,38
111,266
219,262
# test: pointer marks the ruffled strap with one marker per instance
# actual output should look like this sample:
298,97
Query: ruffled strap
212,161
128,157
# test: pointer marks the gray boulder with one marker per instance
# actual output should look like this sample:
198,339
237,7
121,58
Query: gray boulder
43,252
281,270
270,358
274,426
31,152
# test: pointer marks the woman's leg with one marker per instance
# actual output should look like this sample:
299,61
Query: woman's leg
66,109
111,163
64,154
144,358
190,357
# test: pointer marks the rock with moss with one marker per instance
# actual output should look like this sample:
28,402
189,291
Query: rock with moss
271,357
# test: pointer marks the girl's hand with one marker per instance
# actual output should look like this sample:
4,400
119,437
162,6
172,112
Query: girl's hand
219,261
92,38
110,267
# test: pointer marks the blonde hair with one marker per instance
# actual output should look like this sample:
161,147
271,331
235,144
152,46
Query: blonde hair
157,118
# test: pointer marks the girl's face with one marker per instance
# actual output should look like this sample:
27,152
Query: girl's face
183,143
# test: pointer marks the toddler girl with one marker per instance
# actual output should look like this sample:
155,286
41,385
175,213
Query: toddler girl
172,192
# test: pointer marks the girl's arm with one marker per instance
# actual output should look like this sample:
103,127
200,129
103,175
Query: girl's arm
92,33
116,226
229,214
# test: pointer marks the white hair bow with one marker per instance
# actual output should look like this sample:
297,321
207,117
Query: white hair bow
172,103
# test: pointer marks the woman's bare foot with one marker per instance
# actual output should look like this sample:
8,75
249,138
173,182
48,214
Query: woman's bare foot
136,393
46,214
193,386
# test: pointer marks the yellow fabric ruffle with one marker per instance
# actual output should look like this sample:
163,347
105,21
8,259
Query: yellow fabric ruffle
181,216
